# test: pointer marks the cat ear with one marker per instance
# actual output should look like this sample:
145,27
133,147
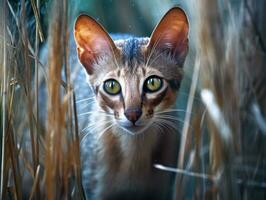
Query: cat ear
92,41
171,35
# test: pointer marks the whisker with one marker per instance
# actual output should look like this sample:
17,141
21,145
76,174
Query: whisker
153,50
172,110
124,129
166,125
83,136
93,125
85,104
170,123
160,126
102,133
98,112
170,117
86,99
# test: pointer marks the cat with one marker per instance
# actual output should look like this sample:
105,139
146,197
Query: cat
132,123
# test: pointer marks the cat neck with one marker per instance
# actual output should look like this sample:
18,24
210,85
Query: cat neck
130,143
128,153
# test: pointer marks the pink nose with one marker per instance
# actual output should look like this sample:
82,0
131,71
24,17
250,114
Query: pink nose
133,114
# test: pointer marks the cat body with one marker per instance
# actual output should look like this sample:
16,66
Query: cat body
122,166
132,123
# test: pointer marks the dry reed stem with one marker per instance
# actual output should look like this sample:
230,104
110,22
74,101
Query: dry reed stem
38,35
185,130
37,20
227,49
217,73
62,142
11,143
34,188
56,119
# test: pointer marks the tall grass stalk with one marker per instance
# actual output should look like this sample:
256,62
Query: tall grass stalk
39,160
62,143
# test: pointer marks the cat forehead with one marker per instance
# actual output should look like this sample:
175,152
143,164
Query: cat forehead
131,55
132,50
133,60
131,44
139,71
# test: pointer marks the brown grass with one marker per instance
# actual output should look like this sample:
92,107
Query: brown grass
231,56
39,160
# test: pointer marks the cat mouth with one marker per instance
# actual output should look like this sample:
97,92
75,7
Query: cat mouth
134,129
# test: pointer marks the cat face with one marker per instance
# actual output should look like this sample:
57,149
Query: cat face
137,78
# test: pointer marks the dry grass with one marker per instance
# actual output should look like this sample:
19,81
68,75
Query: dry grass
223,145
228,138
40,160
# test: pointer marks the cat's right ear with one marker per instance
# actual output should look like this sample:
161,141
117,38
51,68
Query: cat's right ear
171,35
92,41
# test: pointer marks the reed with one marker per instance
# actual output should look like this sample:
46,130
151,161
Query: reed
39,160
226,142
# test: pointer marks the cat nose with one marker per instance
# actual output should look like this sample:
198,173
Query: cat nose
133,114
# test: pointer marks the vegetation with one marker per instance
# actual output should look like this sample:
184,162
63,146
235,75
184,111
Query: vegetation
223,136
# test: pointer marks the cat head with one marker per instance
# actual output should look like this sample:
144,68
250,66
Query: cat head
137,78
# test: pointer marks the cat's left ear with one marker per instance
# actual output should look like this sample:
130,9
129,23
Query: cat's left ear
171,35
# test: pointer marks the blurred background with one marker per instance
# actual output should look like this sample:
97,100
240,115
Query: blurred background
117,16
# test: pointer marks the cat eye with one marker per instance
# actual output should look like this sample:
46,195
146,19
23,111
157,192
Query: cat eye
153,84
112,87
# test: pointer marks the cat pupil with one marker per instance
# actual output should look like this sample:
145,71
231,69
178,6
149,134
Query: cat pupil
152,81
112,85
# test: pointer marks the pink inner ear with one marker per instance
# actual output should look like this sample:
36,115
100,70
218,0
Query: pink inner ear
179,40
92,41
171,34
172,38
86,58
101,46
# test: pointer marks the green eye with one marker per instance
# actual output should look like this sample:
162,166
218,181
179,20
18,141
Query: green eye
153,84
112,87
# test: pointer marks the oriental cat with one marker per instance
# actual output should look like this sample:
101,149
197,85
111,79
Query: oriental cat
135,83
